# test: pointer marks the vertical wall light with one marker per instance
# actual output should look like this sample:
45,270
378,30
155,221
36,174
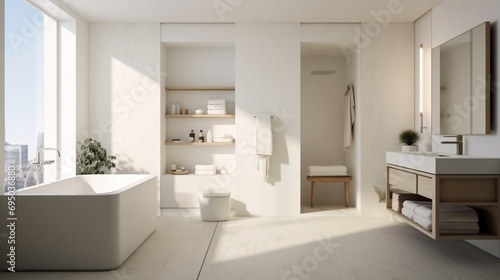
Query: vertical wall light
421,86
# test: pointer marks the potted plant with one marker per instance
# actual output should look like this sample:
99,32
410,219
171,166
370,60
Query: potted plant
93,157
408,138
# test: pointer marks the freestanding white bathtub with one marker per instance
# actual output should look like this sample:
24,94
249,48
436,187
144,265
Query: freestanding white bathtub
88,222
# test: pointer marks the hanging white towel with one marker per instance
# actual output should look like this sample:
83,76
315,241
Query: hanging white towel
263,144
349,116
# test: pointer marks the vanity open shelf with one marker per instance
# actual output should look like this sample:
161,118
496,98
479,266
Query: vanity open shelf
478,191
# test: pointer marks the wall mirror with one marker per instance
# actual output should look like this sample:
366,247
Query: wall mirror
461,84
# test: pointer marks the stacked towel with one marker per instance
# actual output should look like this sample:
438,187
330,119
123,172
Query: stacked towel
327,170
452,219
205,170
223,138
216,107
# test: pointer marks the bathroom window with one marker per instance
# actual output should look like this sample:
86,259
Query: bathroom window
31,102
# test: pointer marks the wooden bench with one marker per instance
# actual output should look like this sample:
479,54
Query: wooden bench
332,179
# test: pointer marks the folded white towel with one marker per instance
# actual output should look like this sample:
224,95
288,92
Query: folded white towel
327,168
205,172
223,140
448,228
326,174
216,112
223,136
449,213
459,231
205,167
217,101
216,107
408,213
458,226
425,223
412,204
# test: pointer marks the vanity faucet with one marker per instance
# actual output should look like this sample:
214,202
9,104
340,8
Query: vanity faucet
459,142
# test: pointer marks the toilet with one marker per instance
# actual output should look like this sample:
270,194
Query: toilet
215,205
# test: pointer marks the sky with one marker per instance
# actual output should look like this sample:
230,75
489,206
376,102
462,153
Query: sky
23,74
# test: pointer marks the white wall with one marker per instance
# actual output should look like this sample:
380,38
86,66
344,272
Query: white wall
268,82
322,125
124,93
449,19
386,103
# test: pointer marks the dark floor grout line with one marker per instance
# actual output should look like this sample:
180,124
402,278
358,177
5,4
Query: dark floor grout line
206,253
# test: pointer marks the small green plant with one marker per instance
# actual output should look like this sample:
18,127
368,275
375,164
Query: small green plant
409,137
93,157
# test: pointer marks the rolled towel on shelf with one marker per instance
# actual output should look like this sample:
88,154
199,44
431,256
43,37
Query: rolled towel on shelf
412,204
326,174
425,223
327,168
408,213
217,102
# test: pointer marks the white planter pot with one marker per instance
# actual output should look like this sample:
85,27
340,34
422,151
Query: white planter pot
409,149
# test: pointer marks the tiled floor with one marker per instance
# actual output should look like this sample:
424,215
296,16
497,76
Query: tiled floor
328,244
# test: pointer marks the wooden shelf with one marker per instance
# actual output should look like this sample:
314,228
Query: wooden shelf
206,116
202,88
454,236
200,143
470,203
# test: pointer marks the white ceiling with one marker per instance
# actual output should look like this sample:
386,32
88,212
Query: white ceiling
249,10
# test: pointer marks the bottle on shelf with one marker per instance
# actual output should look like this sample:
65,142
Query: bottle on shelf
201,137
209,137
192,136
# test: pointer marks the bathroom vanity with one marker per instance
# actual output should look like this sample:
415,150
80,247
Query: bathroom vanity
455,180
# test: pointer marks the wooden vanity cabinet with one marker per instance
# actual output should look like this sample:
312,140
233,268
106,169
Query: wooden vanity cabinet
480,192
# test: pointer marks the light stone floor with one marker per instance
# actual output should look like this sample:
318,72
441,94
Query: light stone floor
323,243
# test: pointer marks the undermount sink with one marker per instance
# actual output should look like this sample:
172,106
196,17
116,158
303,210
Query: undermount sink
441,163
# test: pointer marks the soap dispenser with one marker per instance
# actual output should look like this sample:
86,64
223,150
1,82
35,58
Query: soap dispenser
209,136
201,137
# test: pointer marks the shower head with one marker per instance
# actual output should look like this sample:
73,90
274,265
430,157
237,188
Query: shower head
323,72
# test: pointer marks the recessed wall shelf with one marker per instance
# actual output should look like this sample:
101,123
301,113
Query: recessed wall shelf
202,88
200,143
229,116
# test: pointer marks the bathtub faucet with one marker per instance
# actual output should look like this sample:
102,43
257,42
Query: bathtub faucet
37,161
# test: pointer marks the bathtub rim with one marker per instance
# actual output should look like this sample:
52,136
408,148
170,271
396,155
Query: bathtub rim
126,187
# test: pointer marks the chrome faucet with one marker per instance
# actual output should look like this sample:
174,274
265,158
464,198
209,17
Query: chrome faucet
459,142
40,163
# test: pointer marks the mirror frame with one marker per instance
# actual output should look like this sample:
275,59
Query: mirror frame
476,105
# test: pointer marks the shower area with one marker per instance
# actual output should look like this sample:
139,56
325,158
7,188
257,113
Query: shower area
328,65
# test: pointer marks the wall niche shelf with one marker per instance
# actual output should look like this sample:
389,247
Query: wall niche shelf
202,88
228,116
200,143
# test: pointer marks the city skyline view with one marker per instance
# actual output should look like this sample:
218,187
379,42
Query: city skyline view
24,45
